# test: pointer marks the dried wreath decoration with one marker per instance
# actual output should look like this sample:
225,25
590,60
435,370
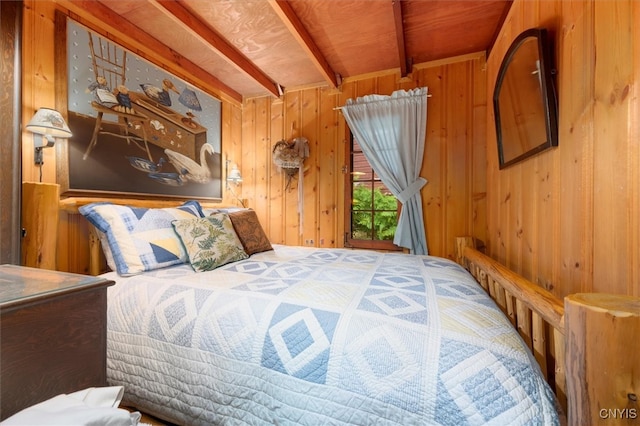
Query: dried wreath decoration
290,156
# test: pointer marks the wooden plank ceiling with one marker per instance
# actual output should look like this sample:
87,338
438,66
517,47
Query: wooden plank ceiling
261,47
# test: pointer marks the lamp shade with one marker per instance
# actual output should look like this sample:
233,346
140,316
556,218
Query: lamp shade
49,122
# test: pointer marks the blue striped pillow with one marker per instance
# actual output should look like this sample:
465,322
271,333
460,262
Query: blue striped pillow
140,239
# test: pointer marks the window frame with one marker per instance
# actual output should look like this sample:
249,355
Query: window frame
349,241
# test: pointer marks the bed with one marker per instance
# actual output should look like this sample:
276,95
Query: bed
301,335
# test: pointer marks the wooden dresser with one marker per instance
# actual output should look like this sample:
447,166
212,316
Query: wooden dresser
167,128
52,335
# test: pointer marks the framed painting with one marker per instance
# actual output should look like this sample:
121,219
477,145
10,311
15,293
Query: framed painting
138,131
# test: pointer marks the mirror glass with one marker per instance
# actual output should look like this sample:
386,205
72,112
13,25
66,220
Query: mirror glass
524,100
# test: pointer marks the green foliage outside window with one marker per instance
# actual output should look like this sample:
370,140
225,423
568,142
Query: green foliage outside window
384,222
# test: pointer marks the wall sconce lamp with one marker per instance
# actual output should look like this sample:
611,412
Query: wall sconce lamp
46,125
233,177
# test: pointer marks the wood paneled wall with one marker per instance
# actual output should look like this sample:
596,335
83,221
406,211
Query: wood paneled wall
454,162
569,219
453,200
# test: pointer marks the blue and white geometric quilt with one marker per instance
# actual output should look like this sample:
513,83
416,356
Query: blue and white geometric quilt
313,336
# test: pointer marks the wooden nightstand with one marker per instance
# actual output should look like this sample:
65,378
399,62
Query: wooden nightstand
53,331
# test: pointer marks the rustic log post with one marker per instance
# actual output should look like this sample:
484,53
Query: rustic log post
461,243
603,358
40,217
94,251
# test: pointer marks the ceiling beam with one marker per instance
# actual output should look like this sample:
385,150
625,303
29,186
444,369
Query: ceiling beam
503,17
101,19
196,27
399,25
288,16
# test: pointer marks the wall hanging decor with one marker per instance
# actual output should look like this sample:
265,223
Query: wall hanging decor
524,99
137,129
289,156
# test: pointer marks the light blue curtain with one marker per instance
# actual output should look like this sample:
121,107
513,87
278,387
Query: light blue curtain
391,131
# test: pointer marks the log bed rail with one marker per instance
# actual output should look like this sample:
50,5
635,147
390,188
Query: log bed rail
535,312
587,346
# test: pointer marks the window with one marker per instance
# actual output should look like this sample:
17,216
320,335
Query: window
371,212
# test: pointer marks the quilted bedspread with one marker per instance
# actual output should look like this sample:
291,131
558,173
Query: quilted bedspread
321,337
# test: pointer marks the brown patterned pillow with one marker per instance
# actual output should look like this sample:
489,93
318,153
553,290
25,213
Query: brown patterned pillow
250,232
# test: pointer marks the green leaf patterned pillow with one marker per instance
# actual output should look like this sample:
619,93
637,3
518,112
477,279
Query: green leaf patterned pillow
210,241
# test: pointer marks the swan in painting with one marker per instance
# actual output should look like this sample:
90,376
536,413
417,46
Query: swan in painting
188,168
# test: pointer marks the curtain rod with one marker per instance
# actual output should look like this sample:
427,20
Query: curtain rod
341,107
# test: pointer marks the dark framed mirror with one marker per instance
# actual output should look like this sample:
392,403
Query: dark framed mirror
524,99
